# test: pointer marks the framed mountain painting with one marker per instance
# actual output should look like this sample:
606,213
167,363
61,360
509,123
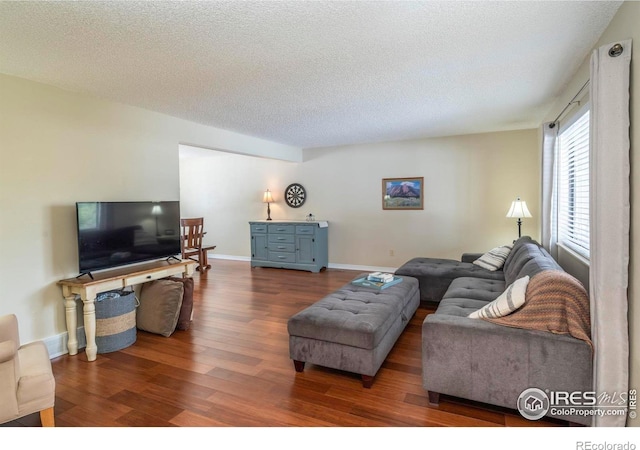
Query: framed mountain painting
403,193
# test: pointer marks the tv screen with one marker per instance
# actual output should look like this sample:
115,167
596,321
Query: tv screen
112,234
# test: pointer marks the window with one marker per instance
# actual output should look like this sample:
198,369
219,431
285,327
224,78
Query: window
573,184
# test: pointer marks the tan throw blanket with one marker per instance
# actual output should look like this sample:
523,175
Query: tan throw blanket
556,302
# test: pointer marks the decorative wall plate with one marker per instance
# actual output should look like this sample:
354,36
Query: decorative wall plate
295,195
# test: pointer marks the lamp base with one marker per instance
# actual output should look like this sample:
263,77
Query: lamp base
268,212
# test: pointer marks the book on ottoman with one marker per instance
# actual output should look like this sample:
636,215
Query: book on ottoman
364,282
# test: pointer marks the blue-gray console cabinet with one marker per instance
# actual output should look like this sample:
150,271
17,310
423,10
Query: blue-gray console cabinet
289,244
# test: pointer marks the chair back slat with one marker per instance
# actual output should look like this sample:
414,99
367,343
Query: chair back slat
192,231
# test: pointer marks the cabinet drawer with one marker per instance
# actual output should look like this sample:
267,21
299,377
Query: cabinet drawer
137,279
305,229
281,247
258,228
282,257
282,238
284,229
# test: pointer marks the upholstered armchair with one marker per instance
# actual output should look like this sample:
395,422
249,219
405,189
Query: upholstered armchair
27,384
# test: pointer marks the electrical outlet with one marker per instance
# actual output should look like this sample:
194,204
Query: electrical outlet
392,253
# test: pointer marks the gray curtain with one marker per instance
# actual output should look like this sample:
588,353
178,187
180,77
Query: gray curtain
609,206
549,207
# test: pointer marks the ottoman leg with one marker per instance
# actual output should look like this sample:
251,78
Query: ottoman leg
299,365
367,381
434,398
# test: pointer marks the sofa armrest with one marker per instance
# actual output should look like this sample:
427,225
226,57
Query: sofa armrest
9,328
8,351
485,362
470,257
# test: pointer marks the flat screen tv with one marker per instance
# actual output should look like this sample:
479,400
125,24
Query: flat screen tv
112,234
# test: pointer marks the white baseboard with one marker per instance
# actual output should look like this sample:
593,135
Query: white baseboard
331,265
362,268
230,257
57,345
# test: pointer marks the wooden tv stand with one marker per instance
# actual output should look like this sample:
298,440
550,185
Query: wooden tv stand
88,289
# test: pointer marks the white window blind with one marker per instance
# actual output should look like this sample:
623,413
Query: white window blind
573,184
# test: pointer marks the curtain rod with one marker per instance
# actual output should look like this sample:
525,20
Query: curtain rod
615,51
573,100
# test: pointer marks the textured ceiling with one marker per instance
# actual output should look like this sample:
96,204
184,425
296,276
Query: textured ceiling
312,73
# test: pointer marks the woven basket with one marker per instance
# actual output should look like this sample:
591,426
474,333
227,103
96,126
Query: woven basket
115,320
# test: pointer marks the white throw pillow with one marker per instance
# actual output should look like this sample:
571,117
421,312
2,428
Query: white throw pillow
494,259
509,301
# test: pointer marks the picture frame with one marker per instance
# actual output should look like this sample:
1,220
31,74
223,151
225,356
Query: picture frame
403,193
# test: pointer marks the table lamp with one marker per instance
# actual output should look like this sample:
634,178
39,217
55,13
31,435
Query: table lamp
519,210
268,199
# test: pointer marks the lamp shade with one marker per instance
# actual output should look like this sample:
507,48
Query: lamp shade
267,198
518,209
156,209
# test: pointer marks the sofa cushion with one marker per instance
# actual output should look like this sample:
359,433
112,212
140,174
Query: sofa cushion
509,301
528,259
475,288
516,245
468,294
539,264
460,307
521,255
435,275
494,259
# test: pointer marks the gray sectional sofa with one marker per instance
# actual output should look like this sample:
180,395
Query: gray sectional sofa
487,362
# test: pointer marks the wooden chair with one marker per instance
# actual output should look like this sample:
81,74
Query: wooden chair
191,242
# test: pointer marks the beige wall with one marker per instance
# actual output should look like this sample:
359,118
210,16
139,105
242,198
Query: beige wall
226,189
624,26
469,182
57,148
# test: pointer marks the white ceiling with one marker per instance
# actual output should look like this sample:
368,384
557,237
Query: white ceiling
312,73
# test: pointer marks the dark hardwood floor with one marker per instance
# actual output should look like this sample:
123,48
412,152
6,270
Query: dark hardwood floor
232,369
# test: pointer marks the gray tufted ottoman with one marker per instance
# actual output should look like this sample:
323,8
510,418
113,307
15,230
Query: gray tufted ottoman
354,328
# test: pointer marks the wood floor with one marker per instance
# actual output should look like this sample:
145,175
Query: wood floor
232,369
